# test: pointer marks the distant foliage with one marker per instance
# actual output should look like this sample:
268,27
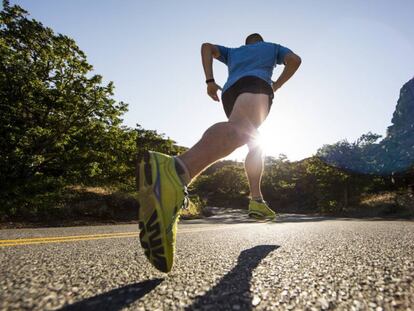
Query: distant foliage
309,185
226,186
394,154
361,156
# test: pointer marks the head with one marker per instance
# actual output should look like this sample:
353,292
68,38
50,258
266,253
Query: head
253,38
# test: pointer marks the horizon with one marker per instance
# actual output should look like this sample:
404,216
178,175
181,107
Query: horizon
356,55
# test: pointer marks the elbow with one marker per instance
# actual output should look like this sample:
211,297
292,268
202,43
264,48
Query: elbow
293,60
297,60
209,49
206,46
295,63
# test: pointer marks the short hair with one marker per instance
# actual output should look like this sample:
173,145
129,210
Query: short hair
253,38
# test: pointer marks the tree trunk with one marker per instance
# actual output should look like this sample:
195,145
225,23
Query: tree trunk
346,195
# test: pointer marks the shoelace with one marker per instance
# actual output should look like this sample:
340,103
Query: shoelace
186,201
184,205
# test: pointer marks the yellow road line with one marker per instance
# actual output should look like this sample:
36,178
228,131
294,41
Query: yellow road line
70,236
68,240
75,238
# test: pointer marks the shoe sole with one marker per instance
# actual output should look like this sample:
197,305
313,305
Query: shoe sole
152,236
259,216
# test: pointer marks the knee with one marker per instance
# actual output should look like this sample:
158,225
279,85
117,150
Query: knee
230,134
237,134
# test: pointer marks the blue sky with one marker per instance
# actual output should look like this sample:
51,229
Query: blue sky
355,57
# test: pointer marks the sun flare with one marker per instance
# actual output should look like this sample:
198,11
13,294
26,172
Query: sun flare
259,141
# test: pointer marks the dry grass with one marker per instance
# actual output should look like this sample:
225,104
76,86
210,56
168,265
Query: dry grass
379,199
388,204
93,190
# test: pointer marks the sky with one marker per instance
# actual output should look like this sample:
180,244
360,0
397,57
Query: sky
356,55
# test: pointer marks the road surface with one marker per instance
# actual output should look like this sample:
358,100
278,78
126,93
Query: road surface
223,263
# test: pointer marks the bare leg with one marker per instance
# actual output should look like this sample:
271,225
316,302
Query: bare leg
254,168
249,111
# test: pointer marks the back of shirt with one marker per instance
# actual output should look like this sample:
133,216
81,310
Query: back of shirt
257,59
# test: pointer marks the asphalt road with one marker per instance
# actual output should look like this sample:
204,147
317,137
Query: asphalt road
224,263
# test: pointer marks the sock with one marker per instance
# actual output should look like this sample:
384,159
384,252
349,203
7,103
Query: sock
257,199
182,171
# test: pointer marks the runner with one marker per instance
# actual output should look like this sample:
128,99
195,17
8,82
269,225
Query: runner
247,97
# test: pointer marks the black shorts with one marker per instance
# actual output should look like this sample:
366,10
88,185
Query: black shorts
247,84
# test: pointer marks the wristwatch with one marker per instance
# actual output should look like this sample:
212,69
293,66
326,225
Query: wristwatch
210,80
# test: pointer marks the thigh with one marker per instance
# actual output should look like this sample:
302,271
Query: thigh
228,99
250,110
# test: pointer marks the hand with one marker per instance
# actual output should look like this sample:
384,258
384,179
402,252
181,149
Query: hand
212,89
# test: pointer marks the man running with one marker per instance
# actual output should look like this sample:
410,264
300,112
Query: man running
247,96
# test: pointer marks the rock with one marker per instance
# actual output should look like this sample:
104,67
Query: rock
324,303
256,300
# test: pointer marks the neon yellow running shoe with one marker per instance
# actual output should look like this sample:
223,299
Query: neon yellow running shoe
260,210
161,196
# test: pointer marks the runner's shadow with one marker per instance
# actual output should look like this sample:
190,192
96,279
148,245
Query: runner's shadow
115,299
234,288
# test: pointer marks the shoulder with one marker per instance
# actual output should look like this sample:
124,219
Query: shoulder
268,46
272,44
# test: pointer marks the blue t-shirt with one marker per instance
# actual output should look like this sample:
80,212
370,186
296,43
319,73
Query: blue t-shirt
257,59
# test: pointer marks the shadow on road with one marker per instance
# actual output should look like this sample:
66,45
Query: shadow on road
234,288
115,299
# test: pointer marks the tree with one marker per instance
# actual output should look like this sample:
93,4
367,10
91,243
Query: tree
227,186
152,140
279,181
360,156
58,122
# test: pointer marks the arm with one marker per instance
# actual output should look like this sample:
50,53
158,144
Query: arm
292,63
208,51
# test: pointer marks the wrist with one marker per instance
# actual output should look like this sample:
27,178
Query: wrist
210,80
275,86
